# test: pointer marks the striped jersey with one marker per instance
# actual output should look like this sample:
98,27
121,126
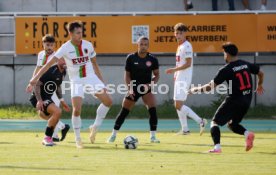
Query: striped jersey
77,59
43,58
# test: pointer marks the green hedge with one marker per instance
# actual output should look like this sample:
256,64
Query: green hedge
165,111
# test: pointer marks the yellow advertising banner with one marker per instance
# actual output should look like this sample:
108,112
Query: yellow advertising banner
266,36
118,34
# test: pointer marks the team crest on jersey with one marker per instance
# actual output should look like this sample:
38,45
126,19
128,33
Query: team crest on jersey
148,63
85,51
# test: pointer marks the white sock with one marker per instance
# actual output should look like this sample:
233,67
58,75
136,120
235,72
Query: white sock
55,133
101,113
114,132
76,123
152,133
217,146
60,125
191,114
246,134
182,116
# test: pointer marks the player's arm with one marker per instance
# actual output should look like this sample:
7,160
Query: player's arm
96,68
182,67
43,70
130,84
156,76
29,87
63,103
37,68
205,88
37,92
260,89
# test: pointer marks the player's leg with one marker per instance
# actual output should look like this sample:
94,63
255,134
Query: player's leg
231,4
76,119
182,116
235,126
100,113
127,105
77,95
43,115
215,5
150,102
180,96
55,114
64,128
221,117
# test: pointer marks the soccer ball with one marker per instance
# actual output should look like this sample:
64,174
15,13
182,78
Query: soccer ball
130,142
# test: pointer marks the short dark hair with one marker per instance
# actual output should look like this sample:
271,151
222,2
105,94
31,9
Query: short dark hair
230,48
180,27
142,38
74,24
48,38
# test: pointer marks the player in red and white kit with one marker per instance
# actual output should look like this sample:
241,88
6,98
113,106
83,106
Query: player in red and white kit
84,75
183,72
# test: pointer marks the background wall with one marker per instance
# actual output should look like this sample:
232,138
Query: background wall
15,78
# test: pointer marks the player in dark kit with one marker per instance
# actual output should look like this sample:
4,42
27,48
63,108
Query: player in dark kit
41,99
236,104
138,77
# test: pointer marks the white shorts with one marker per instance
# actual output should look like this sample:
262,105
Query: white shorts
181,90
55,99
89,85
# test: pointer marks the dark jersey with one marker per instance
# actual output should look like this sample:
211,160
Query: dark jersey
237,74
141,68
50,81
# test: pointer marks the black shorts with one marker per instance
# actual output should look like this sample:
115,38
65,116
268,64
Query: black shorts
137,94
47,101
231,109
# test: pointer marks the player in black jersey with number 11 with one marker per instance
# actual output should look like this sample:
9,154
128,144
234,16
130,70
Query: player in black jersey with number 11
237,73
138,76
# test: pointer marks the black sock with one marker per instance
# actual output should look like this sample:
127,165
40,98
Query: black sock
121,118
215,132
153,119
237,128
49,131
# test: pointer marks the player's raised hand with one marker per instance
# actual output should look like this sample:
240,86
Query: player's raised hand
29,88
260,90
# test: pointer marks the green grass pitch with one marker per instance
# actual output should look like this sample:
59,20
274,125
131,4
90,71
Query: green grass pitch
22,153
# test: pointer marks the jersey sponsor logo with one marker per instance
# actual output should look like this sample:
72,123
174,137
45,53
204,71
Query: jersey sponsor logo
136,63
72,51
80,60
85,51
148,63
238,68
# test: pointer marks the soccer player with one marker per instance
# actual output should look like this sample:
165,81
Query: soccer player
232,110
48,42
41,99
138,76
84,75
183,77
